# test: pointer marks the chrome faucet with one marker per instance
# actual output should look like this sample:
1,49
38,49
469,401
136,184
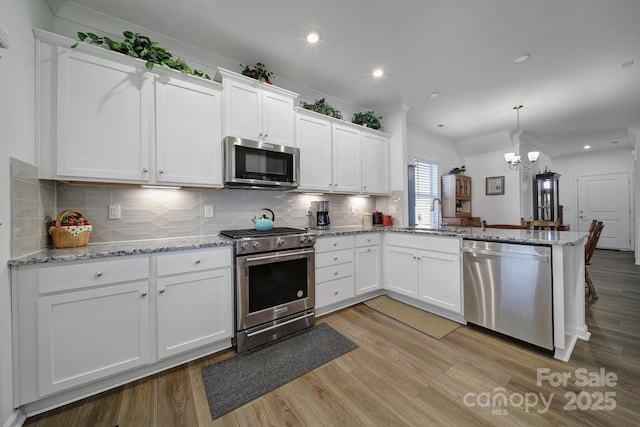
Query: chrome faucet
433,208
433,203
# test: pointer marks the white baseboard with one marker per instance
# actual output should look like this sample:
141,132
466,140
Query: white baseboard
16,419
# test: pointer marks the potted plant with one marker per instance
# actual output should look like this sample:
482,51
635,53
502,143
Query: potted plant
142,47
368,119
258,72
322,107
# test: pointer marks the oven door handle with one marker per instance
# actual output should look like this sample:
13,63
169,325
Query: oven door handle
250,334
279,255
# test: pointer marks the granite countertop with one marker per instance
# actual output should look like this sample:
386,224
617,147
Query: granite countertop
114,249
137,247
534,237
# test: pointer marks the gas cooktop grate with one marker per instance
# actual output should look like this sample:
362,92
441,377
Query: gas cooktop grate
277,231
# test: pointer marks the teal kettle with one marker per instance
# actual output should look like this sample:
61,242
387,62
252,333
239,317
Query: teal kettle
264,223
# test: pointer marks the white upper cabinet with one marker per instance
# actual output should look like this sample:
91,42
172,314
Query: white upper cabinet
189,136
105,118
257,111
313,137
346,159
340,157
375,164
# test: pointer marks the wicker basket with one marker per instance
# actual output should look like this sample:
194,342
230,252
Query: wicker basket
69,236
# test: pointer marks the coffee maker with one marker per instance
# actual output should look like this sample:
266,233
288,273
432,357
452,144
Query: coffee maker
320,215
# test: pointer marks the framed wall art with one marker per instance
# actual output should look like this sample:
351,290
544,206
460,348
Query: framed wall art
494,185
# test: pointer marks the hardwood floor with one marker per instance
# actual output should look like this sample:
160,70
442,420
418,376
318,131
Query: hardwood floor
399,376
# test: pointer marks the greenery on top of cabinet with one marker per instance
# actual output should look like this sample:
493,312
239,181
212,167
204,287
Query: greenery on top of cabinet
367,118
259,72
142,47
322,107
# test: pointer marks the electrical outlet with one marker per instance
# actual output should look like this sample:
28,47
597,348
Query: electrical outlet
208,211
353,210
114,211
392,209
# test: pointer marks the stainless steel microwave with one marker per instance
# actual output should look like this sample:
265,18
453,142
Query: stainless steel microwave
259,164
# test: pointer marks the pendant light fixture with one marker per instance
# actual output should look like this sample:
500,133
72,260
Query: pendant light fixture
513,159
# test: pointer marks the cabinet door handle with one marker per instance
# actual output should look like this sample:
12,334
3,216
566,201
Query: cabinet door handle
336,292
145,170
99,274
369,250
161,290
419,258
266,135
415,257
335,258
143,294
197,261
335,273
160,170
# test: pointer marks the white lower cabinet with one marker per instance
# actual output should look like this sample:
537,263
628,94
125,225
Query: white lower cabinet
335,281
194,309
89,334
368,260
81,327
426,268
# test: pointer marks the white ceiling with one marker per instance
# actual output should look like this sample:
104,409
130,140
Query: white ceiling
573,88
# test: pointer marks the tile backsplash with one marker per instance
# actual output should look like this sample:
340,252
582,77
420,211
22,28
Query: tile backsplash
33,205
154,214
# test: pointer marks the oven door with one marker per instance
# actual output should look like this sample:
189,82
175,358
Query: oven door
274,285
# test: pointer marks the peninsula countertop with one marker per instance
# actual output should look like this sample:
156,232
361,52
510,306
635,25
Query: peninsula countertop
533,237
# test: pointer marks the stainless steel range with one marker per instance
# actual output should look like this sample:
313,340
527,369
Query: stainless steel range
275,284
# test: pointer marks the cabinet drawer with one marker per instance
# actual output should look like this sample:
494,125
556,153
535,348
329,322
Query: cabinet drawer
368,239
326,259
335,291
432,243
334,243
188,262
72,276
334,272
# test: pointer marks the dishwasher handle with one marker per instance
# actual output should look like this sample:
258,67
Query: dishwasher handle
476,251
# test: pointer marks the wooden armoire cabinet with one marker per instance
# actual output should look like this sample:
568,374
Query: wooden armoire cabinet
456,198
546,197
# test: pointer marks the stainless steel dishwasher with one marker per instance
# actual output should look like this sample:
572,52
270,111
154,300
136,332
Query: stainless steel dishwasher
508,289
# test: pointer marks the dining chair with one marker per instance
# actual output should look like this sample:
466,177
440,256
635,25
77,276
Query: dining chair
521,226
595,229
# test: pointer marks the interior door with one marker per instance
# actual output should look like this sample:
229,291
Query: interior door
607,199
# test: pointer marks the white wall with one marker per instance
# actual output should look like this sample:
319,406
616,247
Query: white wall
598,163
17,121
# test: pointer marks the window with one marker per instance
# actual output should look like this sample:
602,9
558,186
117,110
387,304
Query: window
425,189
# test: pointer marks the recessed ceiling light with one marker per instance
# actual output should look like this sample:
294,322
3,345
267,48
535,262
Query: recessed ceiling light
522,58
378,72
313,37
434,95
586,147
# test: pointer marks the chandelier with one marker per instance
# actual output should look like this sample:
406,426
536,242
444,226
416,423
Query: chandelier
513,159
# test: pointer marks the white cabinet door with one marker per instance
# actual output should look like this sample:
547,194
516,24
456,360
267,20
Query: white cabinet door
313,138
401,270
440,281
368,269
277,118
189,136
104,119
346,159
194,310
243,104
375,166
90,334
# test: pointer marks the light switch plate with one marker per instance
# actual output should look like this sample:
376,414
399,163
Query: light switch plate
392,209
208,211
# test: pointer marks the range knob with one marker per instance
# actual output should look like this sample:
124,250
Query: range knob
280,242
255,245
303,239
244,246
312,239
